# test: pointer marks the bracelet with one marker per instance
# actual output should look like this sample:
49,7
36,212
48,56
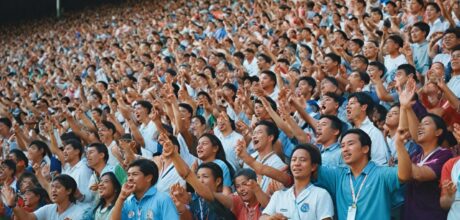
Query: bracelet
13,206
186,175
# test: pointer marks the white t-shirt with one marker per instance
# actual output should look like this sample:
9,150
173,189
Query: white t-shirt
272,160
81,173
112,159
312,203
454,85
392,64
149,132
252,67
229,143
49,212
167,177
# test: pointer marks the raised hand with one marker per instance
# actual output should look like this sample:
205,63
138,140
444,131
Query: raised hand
9,196
406,94
449,187
126,190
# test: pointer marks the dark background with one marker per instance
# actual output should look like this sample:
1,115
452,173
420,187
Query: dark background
12,11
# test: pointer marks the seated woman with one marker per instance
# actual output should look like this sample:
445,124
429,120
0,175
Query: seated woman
206,181
109,188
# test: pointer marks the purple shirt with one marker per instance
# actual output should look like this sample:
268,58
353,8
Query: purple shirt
422,198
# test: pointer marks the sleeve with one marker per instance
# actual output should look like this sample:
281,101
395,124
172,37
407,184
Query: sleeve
441,157
237,204
379,148
327,178
120,174
390,176
324,205
124,211
271,207
42,213
227,179
447,170
168,209
184,152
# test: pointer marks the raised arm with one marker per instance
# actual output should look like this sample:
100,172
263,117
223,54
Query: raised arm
260,168
184,171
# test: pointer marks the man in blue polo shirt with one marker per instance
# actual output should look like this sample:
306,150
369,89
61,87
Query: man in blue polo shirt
145,202
363,190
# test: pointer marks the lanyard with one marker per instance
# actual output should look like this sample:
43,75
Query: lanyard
421,163
201,210
167,171
355,198
297,203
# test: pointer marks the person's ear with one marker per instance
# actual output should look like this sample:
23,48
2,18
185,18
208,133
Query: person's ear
218,181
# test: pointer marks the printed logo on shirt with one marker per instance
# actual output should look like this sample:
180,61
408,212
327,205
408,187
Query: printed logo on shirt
131,214
149,214
305,207
283,210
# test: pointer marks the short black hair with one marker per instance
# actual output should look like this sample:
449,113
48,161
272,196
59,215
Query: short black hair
270,100
265,57
145,104
336,123
109,125
454,30
364,77
147,167
423,27
380,66
334,96
332,80
397,39
6,121
364,138
315,155
203,93
407,68
363,99
358,41
186,107
215,170
101,148
272,129
334,57
270,74
11,165
42,146
248,173
435,6
310,80
20,156
76,145
69,183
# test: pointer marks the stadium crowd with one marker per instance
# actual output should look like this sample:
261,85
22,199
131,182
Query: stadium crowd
207,109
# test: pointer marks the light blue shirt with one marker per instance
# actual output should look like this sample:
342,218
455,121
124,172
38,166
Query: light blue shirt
374,201
421,58
331,156
153,205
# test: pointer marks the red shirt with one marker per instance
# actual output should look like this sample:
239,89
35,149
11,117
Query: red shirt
243,212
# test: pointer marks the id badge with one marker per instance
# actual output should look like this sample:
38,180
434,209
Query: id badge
351,215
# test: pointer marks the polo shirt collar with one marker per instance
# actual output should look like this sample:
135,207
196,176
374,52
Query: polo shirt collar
365,122
330,148
367,169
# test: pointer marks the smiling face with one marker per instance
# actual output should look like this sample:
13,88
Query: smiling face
105,187
301,164
135,176
427,131
352,150
455,62
205,150
34,153
243,191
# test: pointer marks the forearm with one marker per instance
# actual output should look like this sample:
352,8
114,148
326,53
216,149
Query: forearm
404,162
382,92
446,201
262,197
116,210
21,214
